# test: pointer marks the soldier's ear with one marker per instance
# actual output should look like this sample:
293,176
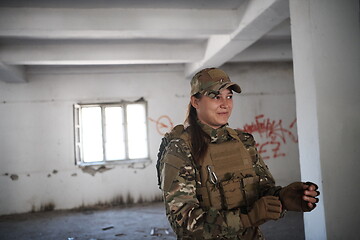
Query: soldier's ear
194,102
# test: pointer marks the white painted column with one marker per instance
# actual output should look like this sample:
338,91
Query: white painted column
326,56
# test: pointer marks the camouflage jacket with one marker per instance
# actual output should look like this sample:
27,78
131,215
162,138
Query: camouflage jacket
179,179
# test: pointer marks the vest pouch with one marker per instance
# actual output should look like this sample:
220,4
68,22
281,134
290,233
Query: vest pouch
233,193
251,189
214,196
203,197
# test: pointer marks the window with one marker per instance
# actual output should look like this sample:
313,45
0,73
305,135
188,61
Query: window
110,132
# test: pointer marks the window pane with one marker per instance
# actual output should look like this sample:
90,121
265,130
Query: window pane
92,134
115,142
137,132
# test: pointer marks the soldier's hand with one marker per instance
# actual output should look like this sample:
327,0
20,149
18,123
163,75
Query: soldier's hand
300,197
264,209
310,194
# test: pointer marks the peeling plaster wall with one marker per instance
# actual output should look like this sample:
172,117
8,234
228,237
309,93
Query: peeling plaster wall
37,169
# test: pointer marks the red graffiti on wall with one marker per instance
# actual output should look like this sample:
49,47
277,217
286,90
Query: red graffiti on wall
274,133
163,124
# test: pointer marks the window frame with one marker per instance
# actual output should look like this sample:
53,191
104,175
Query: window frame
78,138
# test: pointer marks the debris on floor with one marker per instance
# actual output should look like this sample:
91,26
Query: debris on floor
159,231
107,228
120,234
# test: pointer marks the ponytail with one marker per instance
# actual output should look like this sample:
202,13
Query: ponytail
198,138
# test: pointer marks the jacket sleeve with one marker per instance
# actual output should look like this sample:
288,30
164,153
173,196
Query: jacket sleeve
178,182
267,185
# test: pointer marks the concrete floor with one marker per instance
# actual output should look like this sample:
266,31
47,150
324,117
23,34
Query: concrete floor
142,221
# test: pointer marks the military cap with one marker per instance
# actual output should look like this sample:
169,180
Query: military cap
210,81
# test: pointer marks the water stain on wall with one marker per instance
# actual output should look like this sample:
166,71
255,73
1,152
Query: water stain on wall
119,201
14,177
92,170
47,207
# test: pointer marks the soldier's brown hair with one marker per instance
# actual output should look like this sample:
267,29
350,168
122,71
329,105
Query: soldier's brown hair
198,138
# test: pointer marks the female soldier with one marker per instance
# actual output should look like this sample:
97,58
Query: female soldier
214,182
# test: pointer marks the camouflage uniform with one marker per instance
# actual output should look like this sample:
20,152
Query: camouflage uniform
180,180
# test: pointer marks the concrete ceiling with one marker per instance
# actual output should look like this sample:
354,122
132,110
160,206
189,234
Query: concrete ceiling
196,34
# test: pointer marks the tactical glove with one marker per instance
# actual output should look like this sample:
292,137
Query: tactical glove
291,197
264,209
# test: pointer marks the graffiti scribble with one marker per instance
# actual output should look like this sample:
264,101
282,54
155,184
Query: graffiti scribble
163,124
273,133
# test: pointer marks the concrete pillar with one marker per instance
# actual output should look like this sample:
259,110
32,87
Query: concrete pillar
326,57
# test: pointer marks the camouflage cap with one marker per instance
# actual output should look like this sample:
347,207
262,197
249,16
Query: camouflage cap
210,81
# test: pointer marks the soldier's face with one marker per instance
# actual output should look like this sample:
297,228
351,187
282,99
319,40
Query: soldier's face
214,112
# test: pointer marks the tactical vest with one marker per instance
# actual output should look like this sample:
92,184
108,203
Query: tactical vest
228,179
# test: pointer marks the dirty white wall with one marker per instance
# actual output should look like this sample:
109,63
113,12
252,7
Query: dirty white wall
37,167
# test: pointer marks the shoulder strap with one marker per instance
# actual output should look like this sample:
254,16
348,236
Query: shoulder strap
246,138
175,133
233,133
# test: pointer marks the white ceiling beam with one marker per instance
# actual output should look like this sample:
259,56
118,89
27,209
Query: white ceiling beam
164,4
258,18
12,74
266,51
100,52
118,23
